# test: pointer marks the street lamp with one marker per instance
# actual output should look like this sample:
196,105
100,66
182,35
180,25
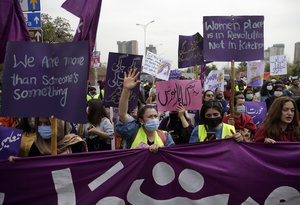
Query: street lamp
145,29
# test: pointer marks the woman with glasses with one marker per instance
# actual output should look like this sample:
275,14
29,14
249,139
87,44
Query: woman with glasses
142,132
208,95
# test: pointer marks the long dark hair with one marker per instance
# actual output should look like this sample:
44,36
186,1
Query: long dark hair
272,121
96,111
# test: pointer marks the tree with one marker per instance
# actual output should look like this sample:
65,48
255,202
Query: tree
242,67
210,68
57,30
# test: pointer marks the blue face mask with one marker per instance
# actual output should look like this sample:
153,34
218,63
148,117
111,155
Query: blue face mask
45,132
151,125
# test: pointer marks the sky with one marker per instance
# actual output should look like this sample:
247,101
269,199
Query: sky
118,19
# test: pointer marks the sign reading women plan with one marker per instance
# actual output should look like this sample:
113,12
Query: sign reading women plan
255,73
43,79
157,66
10,141
239,38
190,51
118,63
215,79
278,65
174,92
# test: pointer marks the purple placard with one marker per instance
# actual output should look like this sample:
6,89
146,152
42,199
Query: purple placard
257,110
10,141
118,63
43,79
190,51
220,172
175,74
239,38
171,93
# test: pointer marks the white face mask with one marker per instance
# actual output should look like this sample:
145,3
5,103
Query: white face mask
278,93
269,87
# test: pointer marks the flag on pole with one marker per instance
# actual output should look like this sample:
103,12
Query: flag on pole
12,25
88,11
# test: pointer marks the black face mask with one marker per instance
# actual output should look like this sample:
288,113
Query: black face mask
213,122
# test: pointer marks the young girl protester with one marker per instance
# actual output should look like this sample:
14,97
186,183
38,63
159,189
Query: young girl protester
213,127
281,123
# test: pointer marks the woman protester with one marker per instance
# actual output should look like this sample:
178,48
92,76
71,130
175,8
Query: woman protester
281,123
66,143
213,127
142,132
178,125
99,130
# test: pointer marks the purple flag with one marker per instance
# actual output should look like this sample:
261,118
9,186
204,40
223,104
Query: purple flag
118,63
43,79
202,73
190,51
88,11
10,141
12,25
239,38
218,173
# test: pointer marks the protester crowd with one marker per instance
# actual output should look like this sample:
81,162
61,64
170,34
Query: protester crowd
145,127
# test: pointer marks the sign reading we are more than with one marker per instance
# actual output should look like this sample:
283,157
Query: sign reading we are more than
46,79
239,38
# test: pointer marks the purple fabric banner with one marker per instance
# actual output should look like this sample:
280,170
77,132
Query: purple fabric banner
257,110
239,38
190,51
175,74
42,80
10,141
12,25
88,11
221,172
118,63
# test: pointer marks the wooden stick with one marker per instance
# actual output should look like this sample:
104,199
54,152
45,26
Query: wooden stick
53,136
150,95
232,91
196,71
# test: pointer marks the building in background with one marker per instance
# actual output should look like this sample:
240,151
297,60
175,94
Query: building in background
151,48
297,53
129,47
275,50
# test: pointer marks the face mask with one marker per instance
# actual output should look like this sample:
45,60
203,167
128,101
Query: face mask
249,96
45,132
241,109
278,93
151,125
269,87
213,122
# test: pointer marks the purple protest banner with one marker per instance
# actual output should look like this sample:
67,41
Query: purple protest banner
12,25
239,38
175,74
45,79
88,11
118,63
10,141
221,172
257,110
171,93
190,51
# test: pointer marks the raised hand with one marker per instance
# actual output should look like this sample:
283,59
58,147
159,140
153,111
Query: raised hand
131,79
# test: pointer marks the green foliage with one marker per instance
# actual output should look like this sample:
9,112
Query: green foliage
242,67
57,30
210,68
